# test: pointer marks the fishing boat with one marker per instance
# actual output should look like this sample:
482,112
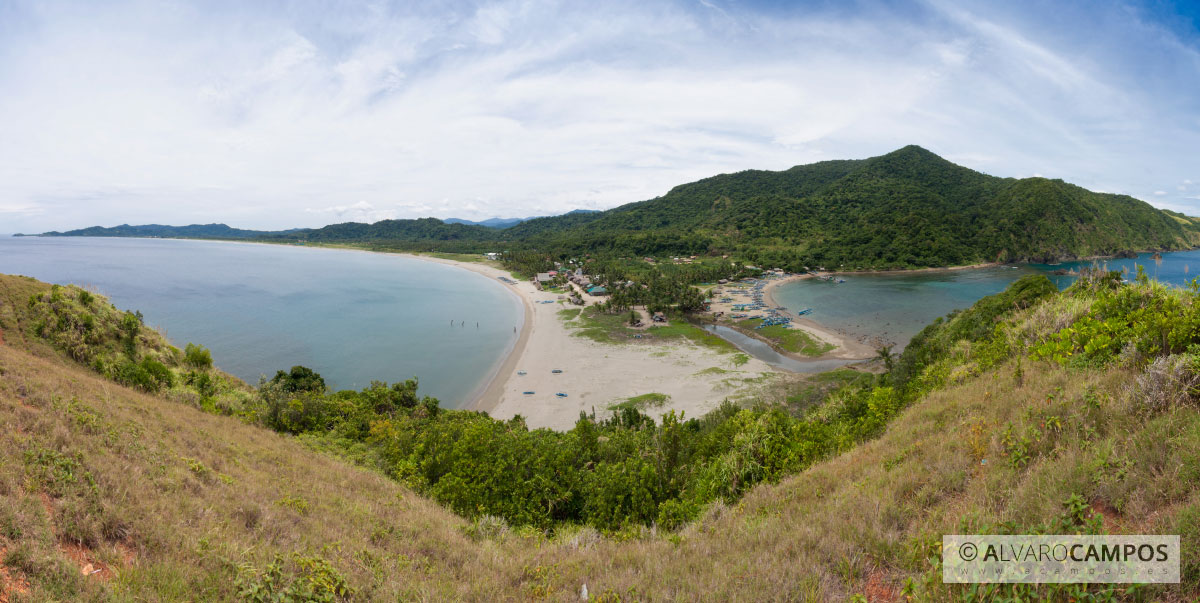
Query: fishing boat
521,373
528,393
556,371
804,311
561,395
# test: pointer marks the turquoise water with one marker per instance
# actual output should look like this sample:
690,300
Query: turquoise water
352,316
891,308
1174,268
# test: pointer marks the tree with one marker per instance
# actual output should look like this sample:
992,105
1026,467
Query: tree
885,354
197,356
299,379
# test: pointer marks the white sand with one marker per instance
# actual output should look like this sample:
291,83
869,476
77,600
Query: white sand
597,375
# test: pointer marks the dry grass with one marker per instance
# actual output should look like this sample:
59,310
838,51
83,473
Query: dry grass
175,504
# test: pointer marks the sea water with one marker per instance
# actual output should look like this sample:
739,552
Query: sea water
352,316
894,307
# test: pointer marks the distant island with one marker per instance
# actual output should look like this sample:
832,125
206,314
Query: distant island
907,209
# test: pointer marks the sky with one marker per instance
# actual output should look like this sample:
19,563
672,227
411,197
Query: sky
299,114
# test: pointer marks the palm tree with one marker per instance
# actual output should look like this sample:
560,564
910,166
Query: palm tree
885,354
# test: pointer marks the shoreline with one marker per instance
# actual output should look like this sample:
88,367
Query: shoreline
487,396
845,347
846,342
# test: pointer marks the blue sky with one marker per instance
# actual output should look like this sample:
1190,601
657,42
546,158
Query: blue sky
283,114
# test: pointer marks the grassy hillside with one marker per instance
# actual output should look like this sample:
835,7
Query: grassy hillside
1085,416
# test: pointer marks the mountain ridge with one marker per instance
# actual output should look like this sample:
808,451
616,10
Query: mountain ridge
906,209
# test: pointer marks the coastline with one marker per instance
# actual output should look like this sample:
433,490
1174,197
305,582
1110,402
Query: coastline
487,396
595,375
844,346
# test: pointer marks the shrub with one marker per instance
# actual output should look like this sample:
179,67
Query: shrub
197,356
1168,381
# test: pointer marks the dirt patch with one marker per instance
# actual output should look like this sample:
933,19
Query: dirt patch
83,557
1109,516
878,589
9,583
128,555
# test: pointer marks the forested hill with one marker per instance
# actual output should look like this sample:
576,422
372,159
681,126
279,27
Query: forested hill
191,231
907,209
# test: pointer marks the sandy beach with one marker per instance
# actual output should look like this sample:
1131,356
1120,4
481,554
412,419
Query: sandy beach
595,375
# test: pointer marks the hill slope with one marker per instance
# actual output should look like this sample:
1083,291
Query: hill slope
172,503
908,208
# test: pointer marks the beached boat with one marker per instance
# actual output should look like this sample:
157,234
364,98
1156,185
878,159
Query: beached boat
561,395
521,373
529,393
556,371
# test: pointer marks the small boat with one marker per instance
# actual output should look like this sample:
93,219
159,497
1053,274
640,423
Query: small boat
521,373
804,311
561,395
556,371
528,393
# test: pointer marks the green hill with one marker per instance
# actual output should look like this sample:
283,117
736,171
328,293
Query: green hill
192,231
907,209
1033,411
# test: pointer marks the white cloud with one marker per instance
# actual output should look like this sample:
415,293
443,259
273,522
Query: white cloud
1159,193
296,117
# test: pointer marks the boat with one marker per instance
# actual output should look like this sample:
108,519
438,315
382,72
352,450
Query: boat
804,311
521,373
556,371
528,393
561,395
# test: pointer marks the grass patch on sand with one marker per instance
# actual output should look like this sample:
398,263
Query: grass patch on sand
456,257
614,328
789,340
642,402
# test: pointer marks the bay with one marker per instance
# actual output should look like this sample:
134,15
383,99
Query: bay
894,307
352,316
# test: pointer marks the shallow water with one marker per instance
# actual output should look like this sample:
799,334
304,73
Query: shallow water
895,307
352,316
767,354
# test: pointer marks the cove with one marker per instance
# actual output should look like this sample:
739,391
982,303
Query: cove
352,316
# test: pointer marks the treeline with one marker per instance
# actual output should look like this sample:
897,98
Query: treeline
635,282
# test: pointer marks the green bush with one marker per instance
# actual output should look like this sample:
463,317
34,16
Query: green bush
197,356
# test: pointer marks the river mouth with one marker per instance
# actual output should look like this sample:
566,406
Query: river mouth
763,351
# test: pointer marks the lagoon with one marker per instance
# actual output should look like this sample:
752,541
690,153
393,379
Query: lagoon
352,316
896,306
